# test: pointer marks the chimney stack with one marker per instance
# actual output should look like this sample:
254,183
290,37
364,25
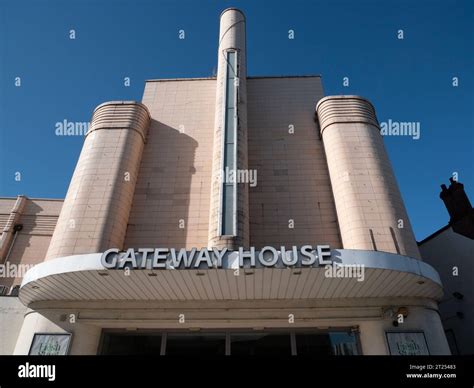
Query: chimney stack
459,208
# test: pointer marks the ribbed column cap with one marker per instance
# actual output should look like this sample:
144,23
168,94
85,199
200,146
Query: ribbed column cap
130,102
121,114
345,109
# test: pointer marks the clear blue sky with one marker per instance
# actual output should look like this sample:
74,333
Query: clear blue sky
406,80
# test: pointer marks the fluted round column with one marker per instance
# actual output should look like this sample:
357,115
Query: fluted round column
369,205
230,143
95,212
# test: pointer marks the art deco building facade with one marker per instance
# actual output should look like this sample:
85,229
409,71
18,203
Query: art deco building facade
150,175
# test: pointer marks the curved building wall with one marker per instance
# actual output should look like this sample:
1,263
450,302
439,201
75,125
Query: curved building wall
369,205
95,212
231,39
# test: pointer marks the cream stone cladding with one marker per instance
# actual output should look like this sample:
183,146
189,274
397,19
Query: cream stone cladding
95,213
369,205
292,203
171,202
173,193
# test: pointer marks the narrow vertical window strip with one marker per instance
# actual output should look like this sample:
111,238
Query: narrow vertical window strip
228,211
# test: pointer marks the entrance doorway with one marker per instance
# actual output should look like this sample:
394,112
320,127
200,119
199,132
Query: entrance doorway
240,343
